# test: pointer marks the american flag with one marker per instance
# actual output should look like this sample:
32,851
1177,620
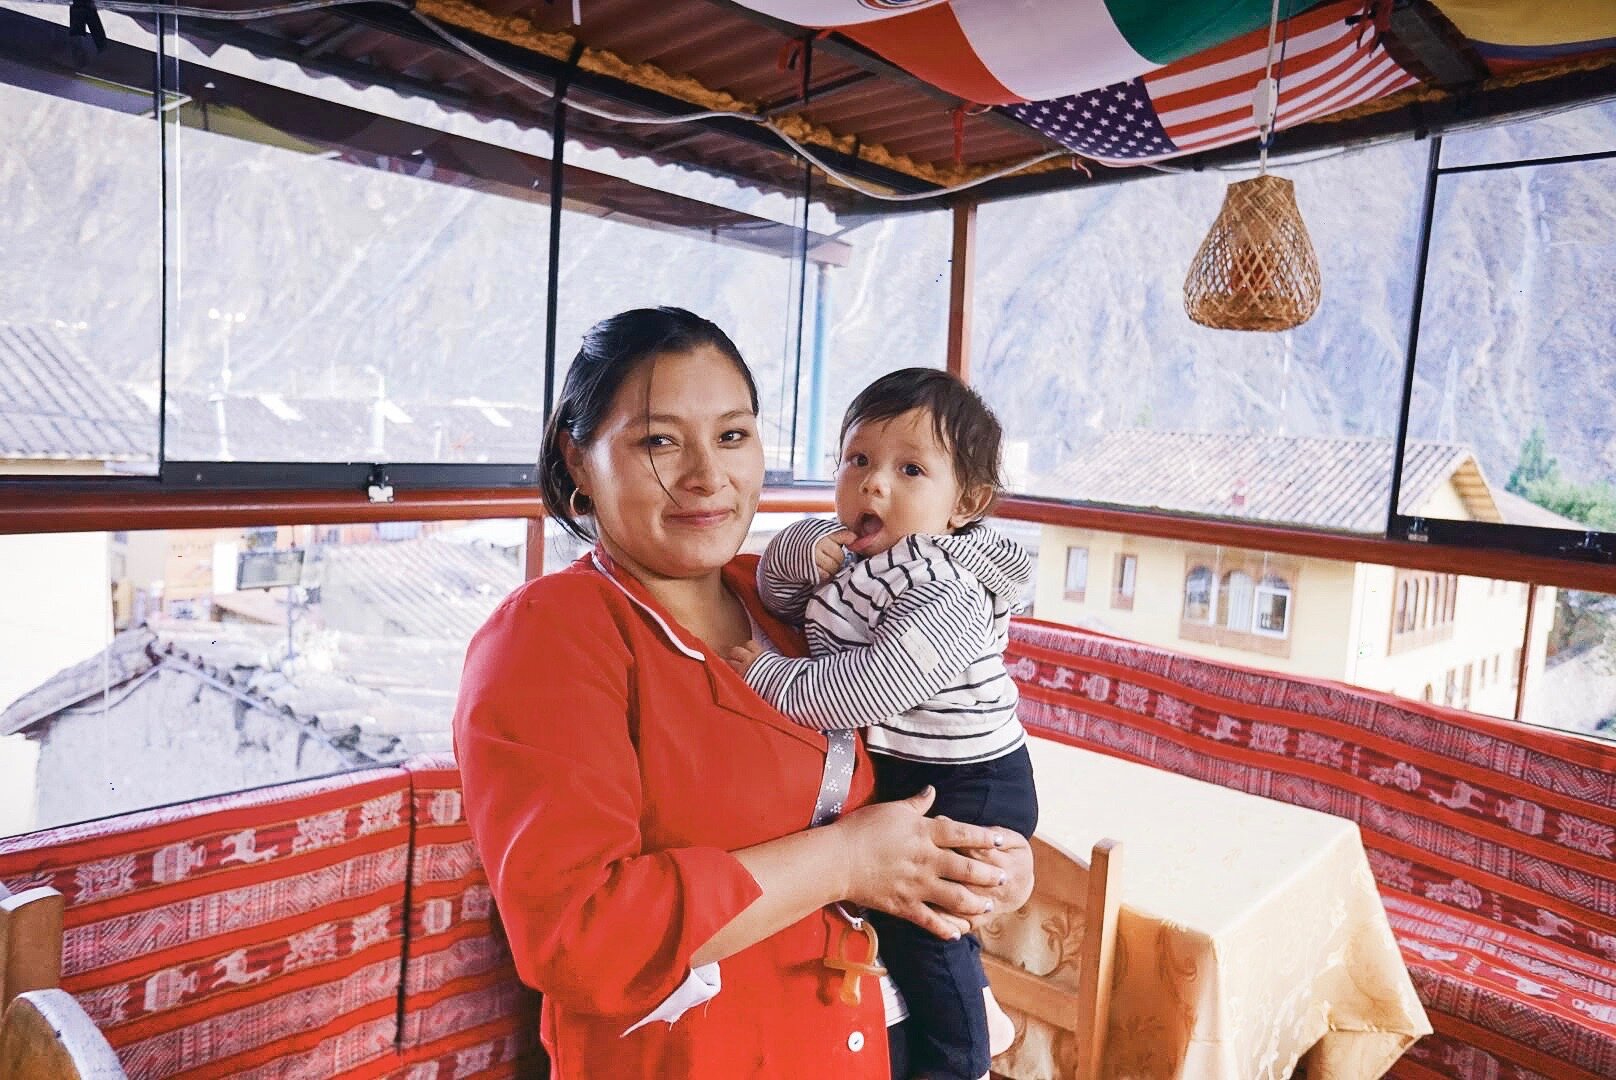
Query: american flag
1204,101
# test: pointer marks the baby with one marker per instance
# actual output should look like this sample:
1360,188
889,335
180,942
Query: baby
906,605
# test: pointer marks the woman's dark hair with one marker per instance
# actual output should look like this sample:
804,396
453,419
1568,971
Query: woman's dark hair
964,425
613,350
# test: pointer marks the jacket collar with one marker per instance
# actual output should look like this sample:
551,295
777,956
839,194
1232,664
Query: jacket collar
740,576
729,690
641,597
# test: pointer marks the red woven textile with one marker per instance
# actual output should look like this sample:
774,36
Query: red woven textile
1509,830
251,935
466,1014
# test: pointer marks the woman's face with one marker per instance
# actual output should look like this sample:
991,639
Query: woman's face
675,469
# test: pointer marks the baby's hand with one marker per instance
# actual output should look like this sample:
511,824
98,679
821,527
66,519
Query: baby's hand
831,552
743,656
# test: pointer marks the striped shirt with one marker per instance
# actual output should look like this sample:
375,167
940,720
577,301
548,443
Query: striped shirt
908,644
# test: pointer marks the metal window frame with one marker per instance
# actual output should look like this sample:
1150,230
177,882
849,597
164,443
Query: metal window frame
161,75
1570,545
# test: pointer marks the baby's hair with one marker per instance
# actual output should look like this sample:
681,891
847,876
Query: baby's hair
964,424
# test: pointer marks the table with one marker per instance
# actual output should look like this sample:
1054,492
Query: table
1251,935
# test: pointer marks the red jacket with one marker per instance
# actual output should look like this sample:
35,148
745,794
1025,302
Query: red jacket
610,764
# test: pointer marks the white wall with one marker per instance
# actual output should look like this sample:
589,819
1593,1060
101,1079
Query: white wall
166,739
55,610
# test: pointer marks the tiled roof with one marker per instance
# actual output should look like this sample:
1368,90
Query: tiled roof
53,405
374,697
379,676
1326,483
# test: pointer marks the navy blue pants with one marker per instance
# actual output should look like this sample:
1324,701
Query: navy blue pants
947,1031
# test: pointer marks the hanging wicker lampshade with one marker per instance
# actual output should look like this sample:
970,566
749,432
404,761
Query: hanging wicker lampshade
1256,269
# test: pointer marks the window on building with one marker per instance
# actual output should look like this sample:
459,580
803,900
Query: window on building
1273,606
1450,691
1127,574
1077,573
1236,594
1198,595
1428,694
1515,667
1466,687
1424,611
1242,599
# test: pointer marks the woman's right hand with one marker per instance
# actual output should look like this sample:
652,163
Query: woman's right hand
903,863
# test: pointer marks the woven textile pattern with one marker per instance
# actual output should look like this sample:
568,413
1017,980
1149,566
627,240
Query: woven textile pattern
466,1014
1494,844
250,935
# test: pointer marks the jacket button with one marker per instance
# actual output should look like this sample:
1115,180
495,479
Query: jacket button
855,1041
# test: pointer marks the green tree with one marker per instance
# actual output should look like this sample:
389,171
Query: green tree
1534,465
1593,505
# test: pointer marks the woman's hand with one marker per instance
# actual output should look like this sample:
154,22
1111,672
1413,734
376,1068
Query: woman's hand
901,862
1013,855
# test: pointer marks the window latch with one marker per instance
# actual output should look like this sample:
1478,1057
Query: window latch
1589,548
379,489
1417,532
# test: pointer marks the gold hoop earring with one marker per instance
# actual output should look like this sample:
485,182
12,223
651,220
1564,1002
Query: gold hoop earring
572,503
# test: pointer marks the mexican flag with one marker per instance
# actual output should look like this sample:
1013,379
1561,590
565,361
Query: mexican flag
998,52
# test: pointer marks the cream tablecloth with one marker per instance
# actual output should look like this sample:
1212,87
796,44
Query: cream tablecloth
1251,935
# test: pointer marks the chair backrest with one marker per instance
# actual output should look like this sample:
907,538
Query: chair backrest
1050,963
46,1035
30,941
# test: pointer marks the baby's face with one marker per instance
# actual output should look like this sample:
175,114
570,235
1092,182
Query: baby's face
896,478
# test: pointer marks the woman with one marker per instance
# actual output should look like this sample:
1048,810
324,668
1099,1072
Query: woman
643,816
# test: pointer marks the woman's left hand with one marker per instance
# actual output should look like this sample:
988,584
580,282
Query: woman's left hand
1014,857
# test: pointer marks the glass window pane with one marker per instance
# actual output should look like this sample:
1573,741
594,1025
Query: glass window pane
348,285
1575,689
1077,571
149,667
747,277
1081,344
1574,131
80,281
886,309
1511,418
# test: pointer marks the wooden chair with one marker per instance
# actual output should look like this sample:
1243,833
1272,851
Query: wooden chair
1050,964
30,942
46,1035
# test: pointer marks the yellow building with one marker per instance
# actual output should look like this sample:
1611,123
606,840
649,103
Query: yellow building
1438,637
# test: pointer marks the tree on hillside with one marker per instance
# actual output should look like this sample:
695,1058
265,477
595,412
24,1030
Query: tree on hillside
1537,477
1534,465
